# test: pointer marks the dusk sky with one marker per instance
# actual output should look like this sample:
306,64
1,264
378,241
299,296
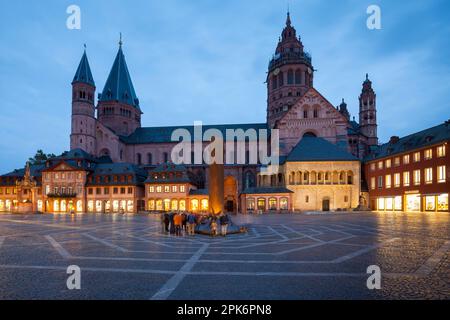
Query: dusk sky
207,60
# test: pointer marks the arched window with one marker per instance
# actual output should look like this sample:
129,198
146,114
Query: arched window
281,79
273,204
139,158
305,113
149,158
290,77
309,135
316,113
298,77
274,82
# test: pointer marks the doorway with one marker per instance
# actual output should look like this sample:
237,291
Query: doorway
326,205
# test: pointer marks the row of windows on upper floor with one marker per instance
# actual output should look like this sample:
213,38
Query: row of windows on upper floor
290,94
416,156
298,77
68,176
388,181
167,189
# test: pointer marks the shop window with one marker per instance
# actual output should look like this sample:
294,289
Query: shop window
250,204
389,204
130,206
284,204
272,204
442,202
398,203
381,206
159,205
182,205
430,203
194,205
261,204
151,205
413,202
204,204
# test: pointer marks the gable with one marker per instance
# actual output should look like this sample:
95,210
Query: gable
63,166
310,101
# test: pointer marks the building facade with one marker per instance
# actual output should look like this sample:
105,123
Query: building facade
113,160
412,173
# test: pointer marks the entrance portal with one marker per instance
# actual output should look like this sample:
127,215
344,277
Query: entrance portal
326,205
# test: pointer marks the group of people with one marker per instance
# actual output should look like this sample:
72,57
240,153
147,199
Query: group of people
179,223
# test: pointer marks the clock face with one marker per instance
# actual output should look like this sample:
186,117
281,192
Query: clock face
277,71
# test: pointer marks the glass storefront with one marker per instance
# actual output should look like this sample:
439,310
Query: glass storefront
413,202
251,204
442,202
430,203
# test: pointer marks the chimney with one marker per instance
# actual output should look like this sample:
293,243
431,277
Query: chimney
394,140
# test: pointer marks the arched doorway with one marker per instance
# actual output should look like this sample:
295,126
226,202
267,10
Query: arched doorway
230,194
326,204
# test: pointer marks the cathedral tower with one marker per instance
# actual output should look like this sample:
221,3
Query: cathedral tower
368,112
289,76
118,106
83,108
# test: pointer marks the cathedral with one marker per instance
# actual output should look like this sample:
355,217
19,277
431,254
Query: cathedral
114,164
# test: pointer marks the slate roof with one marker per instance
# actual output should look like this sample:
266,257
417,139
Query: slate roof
413,141
163,134
84,74
168,173
354,128
265,190
111,169
318,149
119,86
9,179
198,192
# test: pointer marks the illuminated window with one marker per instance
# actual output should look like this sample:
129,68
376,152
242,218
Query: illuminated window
430,203
272,204
372,166
389,204
381,206
429,175
397,180
166,204
91,206
151,189
159,205
388,163
372,183
428,154
56,205
166,189
98,206
159,189
116,205
174,204
406,159
194,205
397,161
441,176
174,188
388,181
398,203
413,202
182,205
380,165
442,202
441,151
261,204
406,179
151,205
182,188
251,204
416,177
284,203
416,156
380,182
204,204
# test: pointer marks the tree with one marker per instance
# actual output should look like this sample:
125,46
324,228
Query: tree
40,157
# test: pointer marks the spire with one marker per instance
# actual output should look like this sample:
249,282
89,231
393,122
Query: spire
84,74
288,19
119,86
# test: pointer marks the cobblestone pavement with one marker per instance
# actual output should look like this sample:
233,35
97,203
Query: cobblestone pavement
281,257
